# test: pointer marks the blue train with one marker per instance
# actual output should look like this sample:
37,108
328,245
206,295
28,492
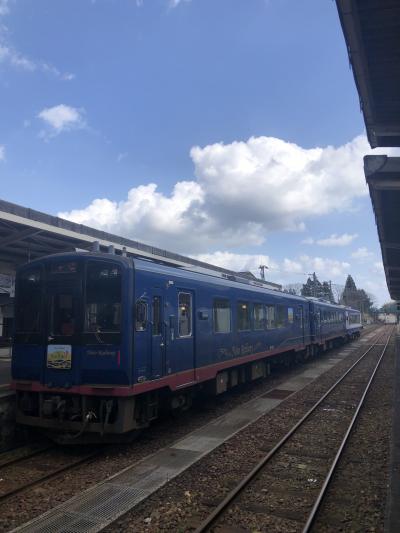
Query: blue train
102,341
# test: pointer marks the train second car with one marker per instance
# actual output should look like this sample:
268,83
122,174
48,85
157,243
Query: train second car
102,342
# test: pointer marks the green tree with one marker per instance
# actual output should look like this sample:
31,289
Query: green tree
356,298
313,287
389,307
327,291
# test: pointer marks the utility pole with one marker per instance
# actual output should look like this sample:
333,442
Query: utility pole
262,271
313,283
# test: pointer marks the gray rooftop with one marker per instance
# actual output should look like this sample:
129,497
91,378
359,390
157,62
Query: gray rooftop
26,234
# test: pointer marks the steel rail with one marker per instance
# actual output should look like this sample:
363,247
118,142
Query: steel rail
48,476
22,457
219,510
324,488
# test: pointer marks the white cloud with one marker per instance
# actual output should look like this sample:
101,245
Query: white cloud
121,156
296,270
4,7
176,3
243,191
292,267
61,118
377,267
325,268
289,270
12,57
362,254
337,240
309,240
237,262
2,149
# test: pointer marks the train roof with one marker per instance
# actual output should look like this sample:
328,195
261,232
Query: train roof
200,274
211,277
197,274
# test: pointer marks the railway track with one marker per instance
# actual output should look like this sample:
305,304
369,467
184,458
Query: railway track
22,452
30,469
28,500
300,496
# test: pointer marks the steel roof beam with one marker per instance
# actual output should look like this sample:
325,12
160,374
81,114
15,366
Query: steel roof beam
18,236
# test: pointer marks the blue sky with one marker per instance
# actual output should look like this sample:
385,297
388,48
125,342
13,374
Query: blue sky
225,129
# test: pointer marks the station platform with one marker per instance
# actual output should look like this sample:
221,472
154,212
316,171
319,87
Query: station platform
393,507
5,372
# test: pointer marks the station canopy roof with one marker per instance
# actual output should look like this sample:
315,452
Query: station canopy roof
26,234
372,33
383,178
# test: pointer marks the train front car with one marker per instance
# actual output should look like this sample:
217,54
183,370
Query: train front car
72,349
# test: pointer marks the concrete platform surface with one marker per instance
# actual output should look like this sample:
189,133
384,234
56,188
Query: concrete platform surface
5,353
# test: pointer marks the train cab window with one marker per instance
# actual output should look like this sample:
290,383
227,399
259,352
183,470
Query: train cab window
103,299
185,314
281,316
141,315
290,315
222,316
243,316
260,316
62,315
354,319
29,304
270,316
157,320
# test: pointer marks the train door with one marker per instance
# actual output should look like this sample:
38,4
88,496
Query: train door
318,324
180,353
62,333
301,323
158,331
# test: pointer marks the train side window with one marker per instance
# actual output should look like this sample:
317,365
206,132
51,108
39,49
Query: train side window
260,317
270,316
156,327
281,315
290,315
222,316
243,316
185,314
141,316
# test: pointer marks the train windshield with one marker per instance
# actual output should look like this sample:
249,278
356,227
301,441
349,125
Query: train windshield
103,301
73,302
29,306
